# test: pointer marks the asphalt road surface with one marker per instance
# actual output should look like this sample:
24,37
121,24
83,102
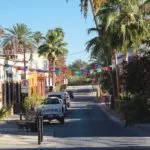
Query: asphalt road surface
86,127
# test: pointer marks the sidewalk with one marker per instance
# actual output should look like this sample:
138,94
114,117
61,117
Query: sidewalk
9,125
11,119
12,137
119,119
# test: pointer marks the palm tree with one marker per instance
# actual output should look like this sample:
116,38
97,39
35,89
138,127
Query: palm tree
53,47
145,7
124,23
95,5
99,48
21,37
121,27
38,37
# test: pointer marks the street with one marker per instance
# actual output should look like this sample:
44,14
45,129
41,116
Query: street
86,127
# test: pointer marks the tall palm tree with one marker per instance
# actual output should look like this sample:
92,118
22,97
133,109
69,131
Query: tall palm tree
125,24
38,37
95,6
53,47
99,48
21,37
121,27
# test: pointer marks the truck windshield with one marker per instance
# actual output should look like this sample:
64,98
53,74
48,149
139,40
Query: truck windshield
59,96
51,101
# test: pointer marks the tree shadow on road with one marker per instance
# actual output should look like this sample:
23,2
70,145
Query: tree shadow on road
85,148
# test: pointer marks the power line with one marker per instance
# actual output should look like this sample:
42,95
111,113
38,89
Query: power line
76,52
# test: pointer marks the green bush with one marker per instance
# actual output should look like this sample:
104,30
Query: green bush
60,87
5,112
79,80
134,108
34,100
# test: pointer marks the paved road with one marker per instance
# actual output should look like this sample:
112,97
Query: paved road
86,128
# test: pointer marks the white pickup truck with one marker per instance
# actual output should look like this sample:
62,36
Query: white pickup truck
52,108
62,95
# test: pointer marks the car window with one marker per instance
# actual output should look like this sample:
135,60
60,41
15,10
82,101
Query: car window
51,101
59,96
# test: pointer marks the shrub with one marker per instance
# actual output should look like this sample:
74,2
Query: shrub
5,112
60,87
134,108
34,100
79,80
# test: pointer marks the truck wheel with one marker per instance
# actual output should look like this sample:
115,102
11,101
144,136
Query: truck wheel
62,120
33,127
68,105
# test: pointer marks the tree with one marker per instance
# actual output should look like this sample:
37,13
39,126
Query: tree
121,26
21,37
53,47
38,37
145,7
99,49
78,64
95,5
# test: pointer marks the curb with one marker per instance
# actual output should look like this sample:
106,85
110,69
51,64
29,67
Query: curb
118,120
143,128
108,112
2,122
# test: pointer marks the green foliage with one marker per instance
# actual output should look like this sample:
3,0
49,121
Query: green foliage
22,35
59,87
134,108
79,80
5,112
106,82
54,44
34,100
78,64
138,76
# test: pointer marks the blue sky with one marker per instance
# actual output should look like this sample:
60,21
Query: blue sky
41,15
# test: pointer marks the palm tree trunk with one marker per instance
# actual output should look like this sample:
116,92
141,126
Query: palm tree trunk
94,15
117,74
53,73
113,85
49,76
24,61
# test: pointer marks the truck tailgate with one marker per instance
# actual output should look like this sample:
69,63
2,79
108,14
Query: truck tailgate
52,109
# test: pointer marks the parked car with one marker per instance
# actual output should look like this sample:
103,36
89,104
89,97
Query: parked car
52,108
63,95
